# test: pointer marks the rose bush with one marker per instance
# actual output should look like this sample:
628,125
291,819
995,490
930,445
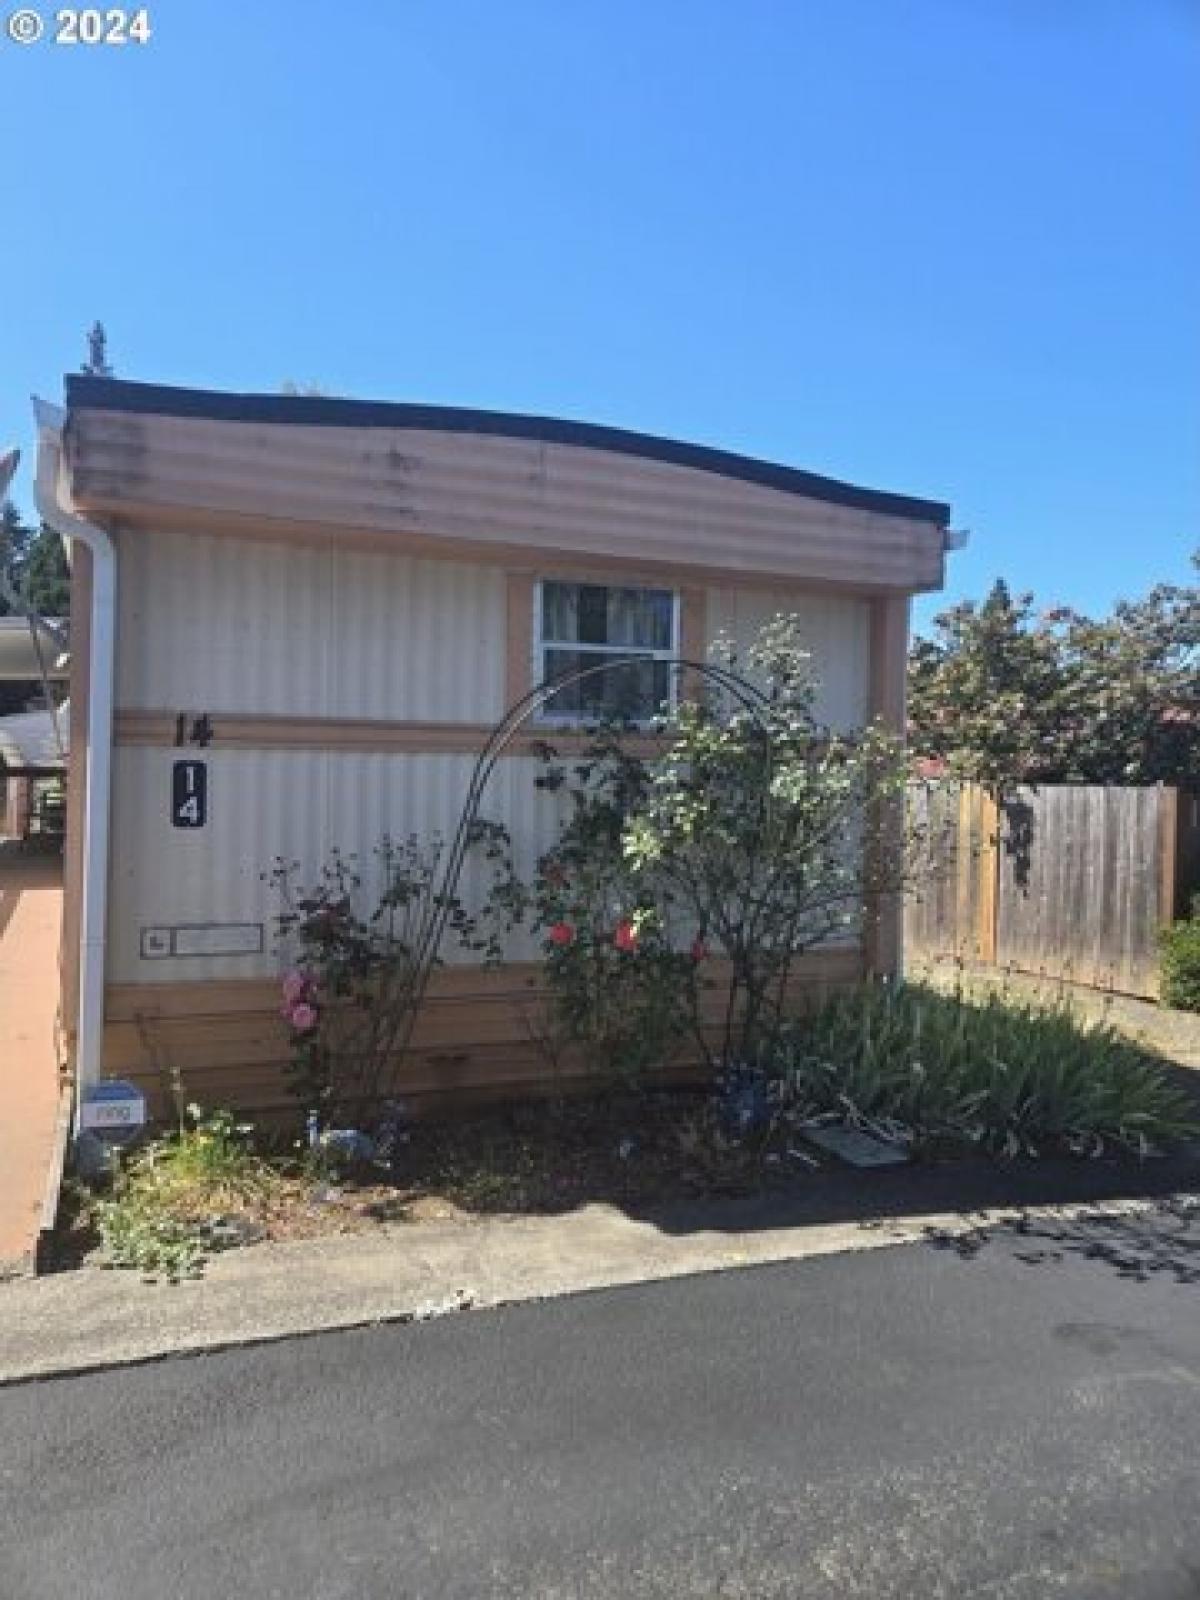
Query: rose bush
752,834
618,990
359,961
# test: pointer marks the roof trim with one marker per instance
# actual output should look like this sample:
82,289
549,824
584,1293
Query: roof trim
85,392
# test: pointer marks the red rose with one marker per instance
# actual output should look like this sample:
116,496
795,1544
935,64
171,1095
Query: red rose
562,933
626,936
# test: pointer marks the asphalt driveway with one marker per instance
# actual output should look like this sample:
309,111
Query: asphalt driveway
1007,1415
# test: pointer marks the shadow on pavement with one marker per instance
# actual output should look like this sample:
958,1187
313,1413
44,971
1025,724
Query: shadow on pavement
874,1197
1162,1241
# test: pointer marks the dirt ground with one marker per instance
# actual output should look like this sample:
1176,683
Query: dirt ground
630,1151
536,1159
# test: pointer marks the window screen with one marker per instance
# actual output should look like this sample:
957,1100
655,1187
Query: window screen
583,627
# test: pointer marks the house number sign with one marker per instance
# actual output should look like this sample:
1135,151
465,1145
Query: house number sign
189,794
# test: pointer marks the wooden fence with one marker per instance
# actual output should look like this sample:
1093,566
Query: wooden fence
1066,881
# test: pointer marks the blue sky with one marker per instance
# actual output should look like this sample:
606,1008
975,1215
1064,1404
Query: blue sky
930,246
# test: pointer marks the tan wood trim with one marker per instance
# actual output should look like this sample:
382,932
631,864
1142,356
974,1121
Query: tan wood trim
888,675
889,660
226,997
78,744
591,569
520,666
232,730
236,730
223,1043
222,996
693,623
243,731
518,655
693,634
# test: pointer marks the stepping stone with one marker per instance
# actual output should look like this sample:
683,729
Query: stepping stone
856,1148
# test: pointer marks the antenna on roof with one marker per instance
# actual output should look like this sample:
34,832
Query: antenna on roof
96,365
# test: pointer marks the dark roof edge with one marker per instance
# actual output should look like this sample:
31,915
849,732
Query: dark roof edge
119,394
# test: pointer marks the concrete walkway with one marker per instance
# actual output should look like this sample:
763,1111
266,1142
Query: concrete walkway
30,919
91,1319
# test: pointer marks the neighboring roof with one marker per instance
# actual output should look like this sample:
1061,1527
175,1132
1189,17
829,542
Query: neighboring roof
18,658
27,739
929,768
116,394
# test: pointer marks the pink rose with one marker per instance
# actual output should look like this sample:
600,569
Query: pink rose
303,1018
295,986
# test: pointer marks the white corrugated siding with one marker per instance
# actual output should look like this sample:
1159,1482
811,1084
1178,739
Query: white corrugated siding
836,630
215,624
219,624
297,804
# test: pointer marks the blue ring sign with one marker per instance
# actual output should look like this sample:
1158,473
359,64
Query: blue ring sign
113,1107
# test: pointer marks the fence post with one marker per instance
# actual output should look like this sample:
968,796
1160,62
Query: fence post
883,943
977,874
987,905
1168,853
965,869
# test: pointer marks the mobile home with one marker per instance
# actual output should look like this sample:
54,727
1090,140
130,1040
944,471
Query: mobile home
310,613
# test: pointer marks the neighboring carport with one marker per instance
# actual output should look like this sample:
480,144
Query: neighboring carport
30,652
32,764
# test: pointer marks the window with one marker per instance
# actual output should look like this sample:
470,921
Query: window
578,626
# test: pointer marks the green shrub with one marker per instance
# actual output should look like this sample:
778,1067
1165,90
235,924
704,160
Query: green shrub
1180,969
998,1074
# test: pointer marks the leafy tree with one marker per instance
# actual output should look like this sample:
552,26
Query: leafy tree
1004,693
1135,681
984,693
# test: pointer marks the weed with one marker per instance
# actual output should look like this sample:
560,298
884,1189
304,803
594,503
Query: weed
179,1198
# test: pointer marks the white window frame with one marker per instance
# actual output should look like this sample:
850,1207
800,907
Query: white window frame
580,719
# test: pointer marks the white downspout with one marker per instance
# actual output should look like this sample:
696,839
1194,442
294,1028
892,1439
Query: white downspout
52,500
